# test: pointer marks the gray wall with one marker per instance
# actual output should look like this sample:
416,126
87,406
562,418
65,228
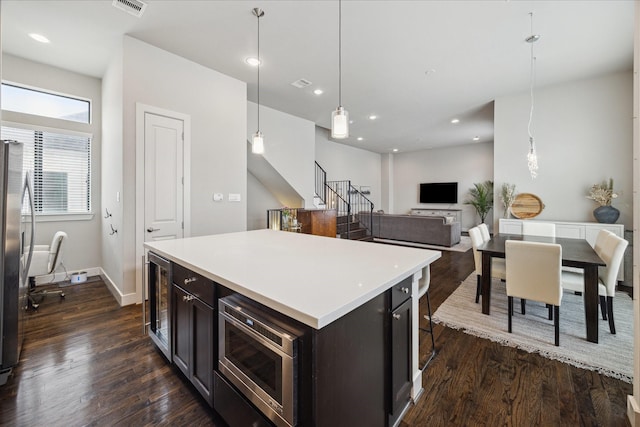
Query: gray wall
583,133
464,164
83,249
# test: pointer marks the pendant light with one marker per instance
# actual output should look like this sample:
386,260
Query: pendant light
340,117
532,155
257,141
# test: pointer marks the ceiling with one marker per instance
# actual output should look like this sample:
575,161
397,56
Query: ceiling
414,64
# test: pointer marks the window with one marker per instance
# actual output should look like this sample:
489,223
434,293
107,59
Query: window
59,163
40,103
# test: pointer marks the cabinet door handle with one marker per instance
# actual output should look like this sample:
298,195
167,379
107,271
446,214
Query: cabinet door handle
396,316
187,297
189,280
151,229
405,290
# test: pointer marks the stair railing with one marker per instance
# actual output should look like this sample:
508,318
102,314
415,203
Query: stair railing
321,184
356,206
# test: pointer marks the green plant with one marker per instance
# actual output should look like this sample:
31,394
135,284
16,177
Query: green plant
481,198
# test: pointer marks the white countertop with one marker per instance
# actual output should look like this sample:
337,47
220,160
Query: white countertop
312,279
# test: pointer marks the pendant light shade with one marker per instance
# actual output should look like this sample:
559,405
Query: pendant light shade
532,155
340,117
257,141
340,123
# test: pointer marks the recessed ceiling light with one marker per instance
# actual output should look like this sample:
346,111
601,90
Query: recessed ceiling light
360,138
254,62
350,122
476,138
373,117
454,121
395,150
39,38
318,91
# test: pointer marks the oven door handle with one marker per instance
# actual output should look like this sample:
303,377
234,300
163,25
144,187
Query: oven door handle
253,334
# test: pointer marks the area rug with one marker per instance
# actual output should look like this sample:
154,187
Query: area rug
463,246
534,333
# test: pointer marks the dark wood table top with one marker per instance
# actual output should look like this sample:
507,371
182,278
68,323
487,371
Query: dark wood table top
575,252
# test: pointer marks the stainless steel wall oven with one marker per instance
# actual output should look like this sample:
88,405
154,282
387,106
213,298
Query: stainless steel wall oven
259,357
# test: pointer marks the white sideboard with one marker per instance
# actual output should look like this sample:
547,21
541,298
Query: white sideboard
455,213
574,230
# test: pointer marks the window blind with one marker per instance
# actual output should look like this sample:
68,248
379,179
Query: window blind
59,165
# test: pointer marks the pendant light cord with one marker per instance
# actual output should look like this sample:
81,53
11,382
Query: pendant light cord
259,64
340,53
531,82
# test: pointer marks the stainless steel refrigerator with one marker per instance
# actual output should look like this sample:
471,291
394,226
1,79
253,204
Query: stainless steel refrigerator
16,243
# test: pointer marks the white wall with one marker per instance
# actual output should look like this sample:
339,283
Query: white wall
343,162
112,244
216,105
465,164
289,146
583,133
259,199
82,249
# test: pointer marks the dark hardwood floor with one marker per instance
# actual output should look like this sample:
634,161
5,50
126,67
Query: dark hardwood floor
86,362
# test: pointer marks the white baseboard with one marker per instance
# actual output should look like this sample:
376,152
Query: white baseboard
123,299
633,411
61,276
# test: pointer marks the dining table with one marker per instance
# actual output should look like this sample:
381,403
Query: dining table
575,253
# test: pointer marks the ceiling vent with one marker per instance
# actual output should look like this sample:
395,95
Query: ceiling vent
133,7
301,83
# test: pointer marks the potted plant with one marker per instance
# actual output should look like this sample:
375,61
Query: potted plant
481,198
507,195
603,194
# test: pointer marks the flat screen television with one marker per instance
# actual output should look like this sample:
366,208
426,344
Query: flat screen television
439,192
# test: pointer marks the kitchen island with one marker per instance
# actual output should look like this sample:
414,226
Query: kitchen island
343,299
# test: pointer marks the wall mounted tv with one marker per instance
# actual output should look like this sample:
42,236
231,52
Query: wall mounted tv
439,192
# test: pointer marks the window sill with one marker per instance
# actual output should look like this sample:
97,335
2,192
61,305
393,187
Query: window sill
64,217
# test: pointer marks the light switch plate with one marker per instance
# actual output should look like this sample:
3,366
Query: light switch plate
234,197
218,197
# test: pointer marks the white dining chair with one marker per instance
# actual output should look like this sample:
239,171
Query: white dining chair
611,249
485,231
537,228
497,264
534,273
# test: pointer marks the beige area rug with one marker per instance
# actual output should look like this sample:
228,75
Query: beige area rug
533,332
463,246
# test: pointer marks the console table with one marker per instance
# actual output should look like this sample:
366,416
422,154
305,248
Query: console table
455,213
573,230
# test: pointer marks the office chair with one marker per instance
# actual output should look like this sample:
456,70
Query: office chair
45,260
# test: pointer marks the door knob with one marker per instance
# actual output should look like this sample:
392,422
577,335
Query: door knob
151,229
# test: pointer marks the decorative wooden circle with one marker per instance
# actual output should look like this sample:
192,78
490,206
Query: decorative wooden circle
526,205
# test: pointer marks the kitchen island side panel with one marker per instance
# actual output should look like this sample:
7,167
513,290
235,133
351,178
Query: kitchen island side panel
349,368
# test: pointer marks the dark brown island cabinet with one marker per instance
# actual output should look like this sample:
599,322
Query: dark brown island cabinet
355,371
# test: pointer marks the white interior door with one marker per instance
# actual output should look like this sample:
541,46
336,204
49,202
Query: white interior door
163,177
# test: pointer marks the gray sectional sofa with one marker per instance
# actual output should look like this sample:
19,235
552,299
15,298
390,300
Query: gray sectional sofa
430,230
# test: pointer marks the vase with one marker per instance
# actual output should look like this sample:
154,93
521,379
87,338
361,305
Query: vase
606,214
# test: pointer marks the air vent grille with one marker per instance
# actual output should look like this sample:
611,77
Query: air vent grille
301,83
134,7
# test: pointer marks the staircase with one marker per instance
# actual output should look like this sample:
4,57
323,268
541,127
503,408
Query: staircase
354,210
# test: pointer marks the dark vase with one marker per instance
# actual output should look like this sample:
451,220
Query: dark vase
606,214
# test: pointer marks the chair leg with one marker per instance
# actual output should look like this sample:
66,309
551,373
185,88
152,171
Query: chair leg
603,307
523,305
550,307
556,323
612,325
433,340
478,287
510,303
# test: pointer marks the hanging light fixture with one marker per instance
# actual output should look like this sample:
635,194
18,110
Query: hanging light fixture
532,155
340,117
257,141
